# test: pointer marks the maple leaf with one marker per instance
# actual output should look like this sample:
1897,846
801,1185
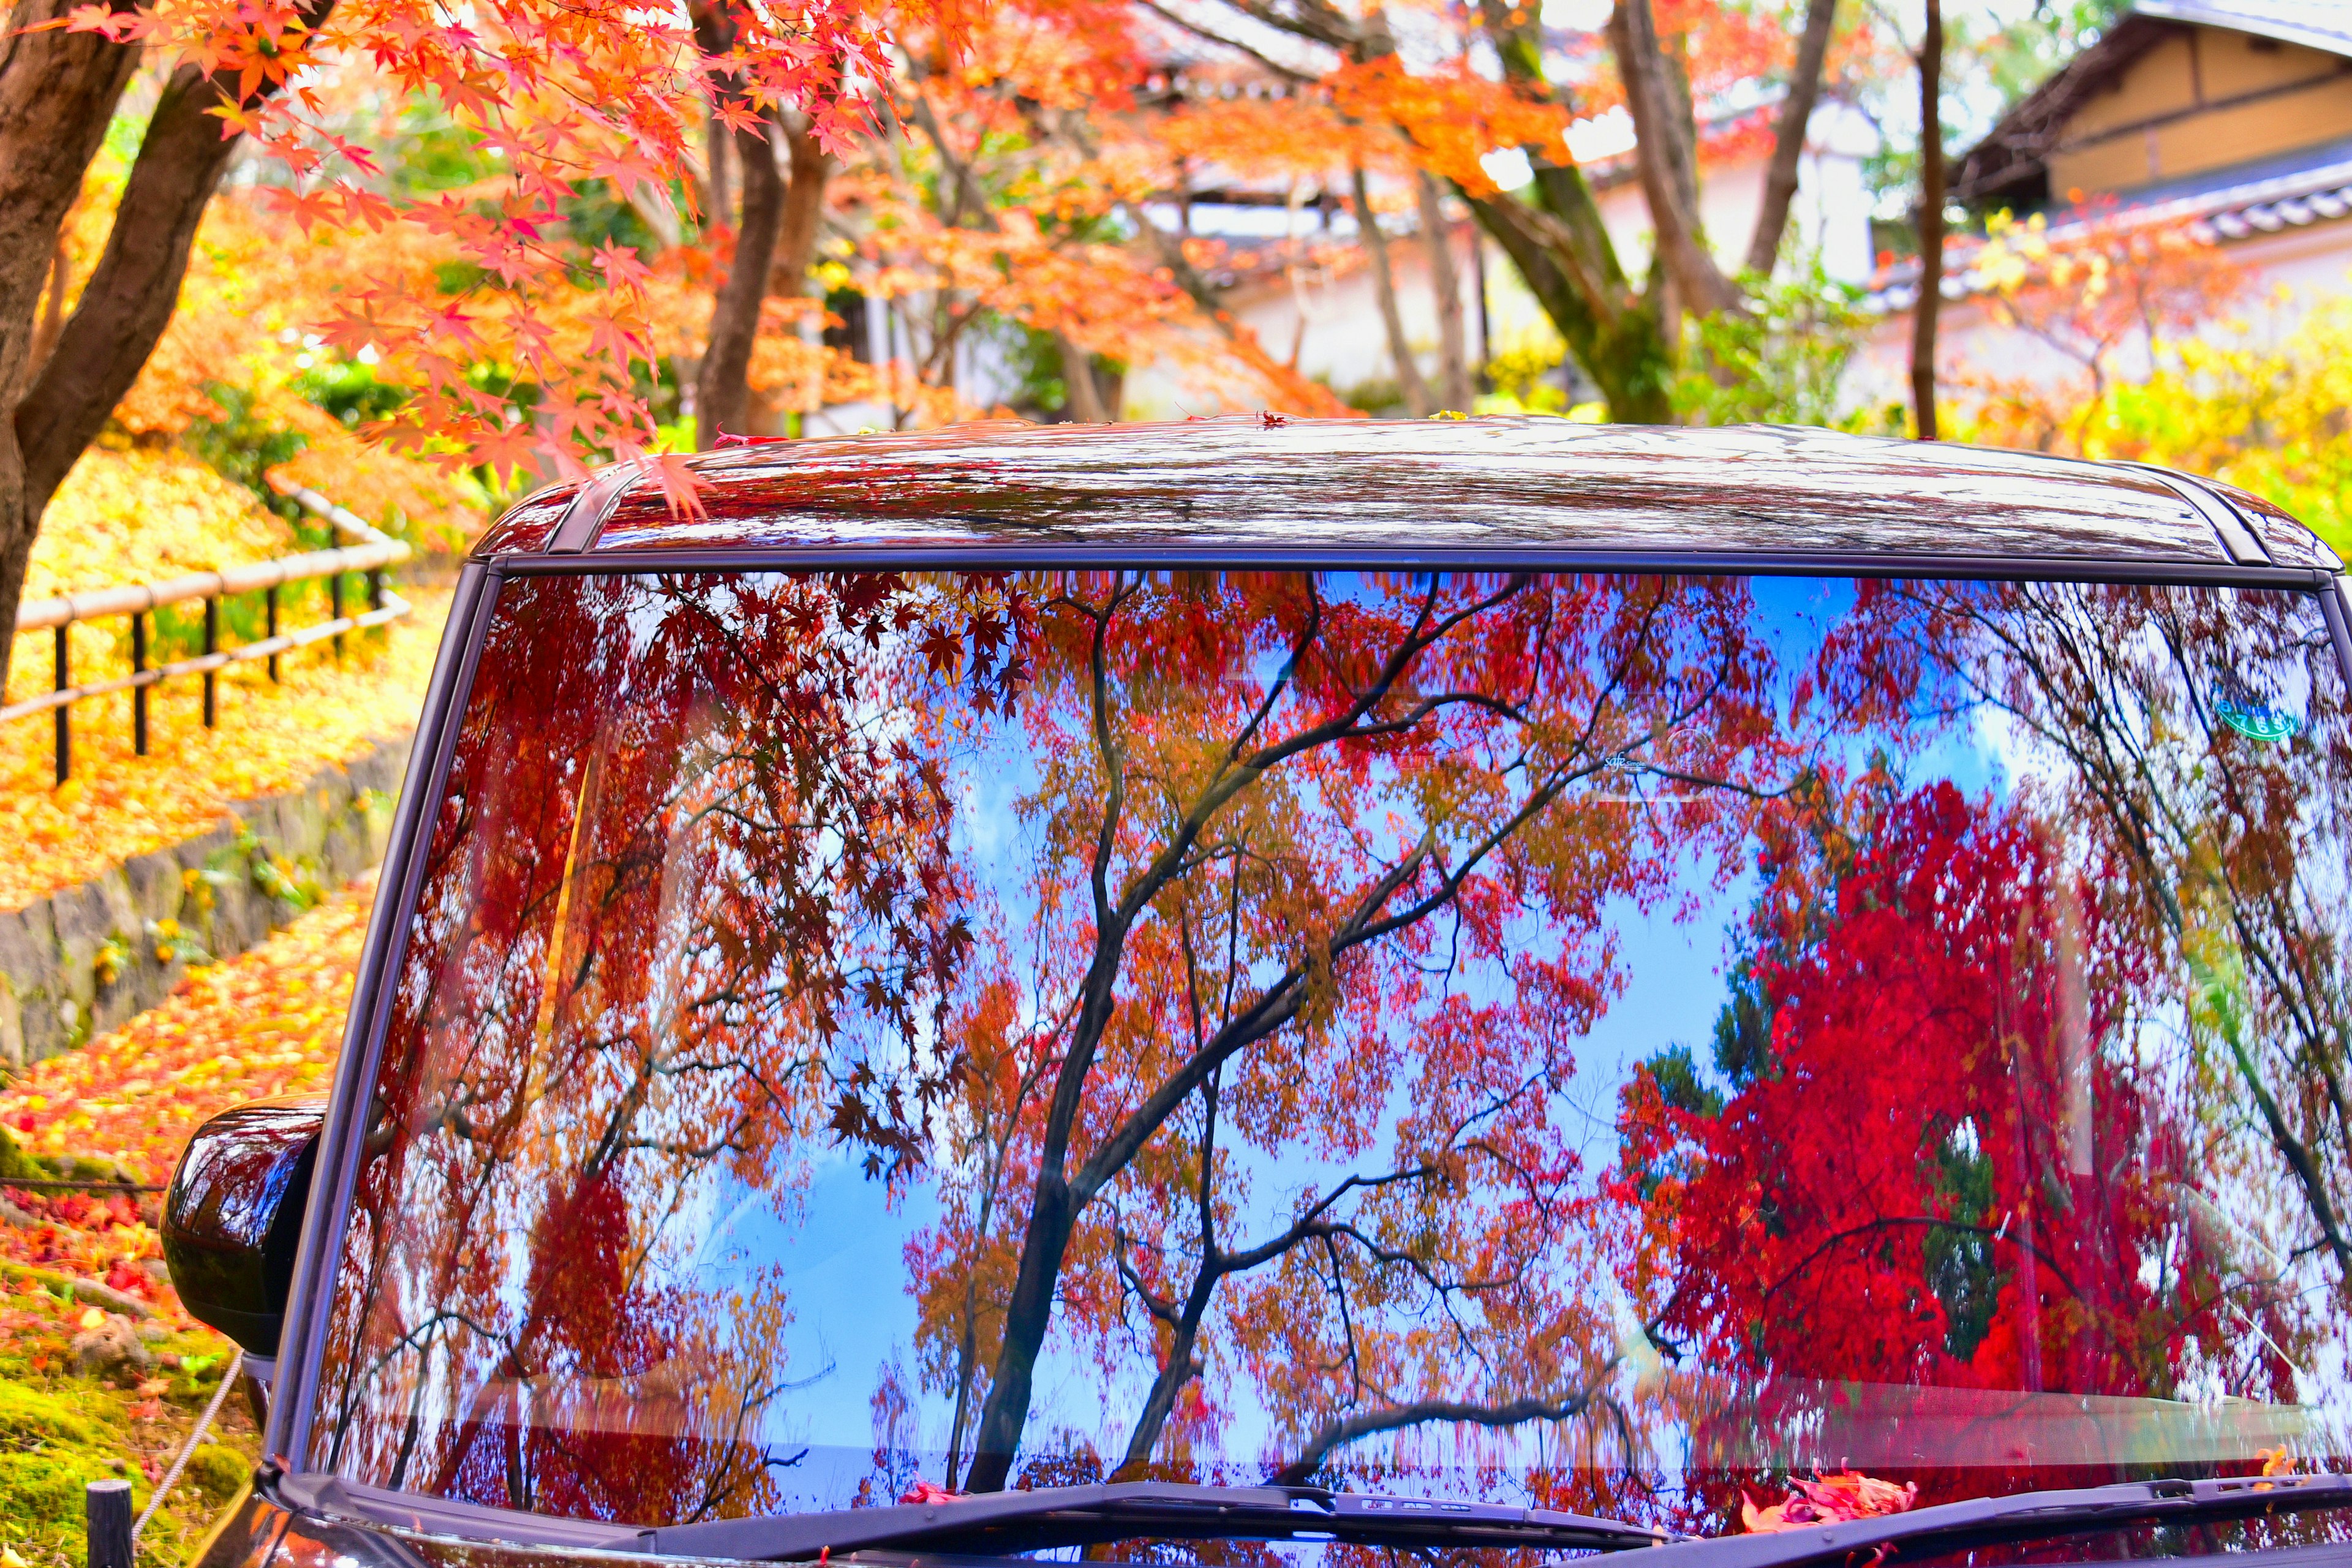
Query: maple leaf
1833,1500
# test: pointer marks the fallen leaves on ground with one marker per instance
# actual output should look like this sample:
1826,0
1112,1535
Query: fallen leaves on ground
1833,1499
145,514
267,1022
81,1273
269,738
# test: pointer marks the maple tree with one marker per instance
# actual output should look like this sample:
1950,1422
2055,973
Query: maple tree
2205,834
1216,816
1934,1151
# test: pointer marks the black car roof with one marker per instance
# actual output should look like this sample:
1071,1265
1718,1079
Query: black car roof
1264,487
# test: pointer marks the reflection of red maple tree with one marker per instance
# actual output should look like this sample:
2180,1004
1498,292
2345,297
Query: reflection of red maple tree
1937,1167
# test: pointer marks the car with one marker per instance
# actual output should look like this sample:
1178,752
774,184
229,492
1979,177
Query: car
1264,990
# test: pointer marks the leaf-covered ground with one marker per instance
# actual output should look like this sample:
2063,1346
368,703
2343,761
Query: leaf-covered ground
269,738
269,1022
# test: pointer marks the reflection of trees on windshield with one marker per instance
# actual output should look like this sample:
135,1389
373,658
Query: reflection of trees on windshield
1318,883
2037,1094
2231,847
679,851
1231,1056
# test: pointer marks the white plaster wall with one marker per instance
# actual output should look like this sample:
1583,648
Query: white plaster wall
2290,272
1829,216
1332,324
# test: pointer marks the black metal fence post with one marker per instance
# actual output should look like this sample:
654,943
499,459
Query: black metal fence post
106,1510
335,609
65,723
270,602
139,693
212,646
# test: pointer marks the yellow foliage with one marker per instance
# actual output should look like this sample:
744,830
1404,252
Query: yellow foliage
2271,420
270,739
141,515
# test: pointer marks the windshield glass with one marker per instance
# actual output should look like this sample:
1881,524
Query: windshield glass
1603,1042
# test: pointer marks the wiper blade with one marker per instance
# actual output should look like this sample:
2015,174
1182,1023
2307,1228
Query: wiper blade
2025,1516
1000,1522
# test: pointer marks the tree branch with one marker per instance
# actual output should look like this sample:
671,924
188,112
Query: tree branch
1396,1417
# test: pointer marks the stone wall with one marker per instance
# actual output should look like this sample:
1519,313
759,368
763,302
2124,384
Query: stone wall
85,960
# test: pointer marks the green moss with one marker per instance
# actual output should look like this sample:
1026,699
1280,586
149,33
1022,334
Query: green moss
217,1470
59,1432
28,1419
16,1163
19,1165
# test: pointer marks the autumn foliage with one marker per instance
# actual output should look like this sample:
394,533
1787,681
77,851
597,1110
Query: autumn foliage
1202,964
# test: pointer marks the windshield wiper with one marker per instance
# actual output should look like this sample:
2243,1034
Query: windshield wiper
2025,1516
1001,1522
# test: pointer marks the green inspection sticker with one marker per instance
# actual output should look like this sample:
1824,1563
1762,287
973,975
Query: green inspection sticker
2258,720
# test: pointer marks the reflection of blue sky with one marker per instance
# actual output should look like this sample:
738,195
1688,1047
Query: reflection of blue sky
841,1251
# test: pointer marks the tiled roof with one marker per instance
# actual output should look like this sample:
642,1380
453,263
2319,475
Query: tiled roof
2312,185
2315,24
2010,157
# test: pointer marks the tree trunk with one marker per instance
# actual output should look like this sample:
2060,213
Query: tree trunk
1665,156
722,394
53,306
135,287
1414,390
1051,1215
58,91
1083,396
1931,223
1615,334
797,231
1181,1368
718,152
796,237
1445,285
1789,137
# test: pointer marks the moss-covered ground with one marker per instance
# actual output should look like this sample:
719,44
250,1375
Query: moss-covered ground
60,1429
75,1263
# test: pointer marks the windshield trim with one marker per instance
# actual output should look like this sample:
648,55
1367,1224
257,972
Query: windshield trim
2018,1516
286,1421
1109,555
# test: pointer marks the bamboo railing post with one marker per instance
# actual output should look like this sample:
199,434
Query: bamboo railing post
139,693
367,557
212,646
65,724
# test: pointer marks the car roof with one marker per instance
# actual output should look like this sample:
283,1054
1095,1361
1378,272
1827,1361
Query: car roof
1262,487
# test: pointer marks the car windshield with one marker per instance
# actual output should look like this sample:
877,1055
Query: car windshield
1626,1043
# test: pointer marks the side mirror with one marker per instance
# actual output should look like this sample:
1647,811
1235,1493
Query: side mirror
234,1212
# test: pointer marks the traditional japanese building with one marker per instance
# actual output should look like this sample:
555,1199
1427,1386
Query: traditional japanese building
2229,119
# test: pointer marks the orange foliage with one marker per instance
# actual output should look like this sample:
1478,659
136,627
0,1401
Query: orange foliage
1453,117
268,1022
